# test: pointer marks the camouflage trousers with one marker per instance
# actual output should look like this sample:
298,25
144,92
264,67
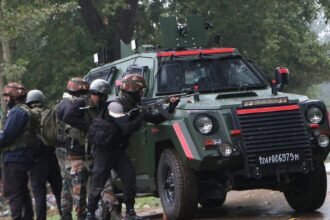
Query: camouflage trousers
79,177
108,196
66,195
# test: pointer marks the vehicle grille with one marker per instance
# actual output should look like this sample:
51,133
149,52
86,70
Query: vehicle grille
274,131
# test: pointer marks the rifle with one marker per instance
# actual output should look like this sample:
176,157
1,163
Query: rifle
147,103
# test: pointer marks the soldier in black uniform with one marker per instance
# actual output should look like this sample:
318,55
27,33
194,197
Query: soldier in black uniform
115,156
46,168
17,141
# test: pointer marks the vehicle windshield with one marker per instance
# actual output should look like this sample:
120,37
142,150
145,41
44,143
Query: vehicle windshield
209,74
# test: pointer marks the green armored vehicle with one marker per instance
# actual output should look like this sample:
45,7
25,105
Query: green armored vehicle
235,131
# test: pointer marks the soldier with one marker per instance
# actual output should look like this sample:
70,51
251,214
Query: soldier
79,115
46,168
76,88
17,140
114,156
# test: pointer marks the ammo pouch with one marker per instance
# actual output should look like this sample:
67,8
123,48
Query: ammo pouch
102,130
78,135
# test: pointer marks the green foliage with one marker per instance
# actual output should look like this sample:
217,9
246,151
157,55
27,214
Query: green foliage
14,72
52,41
273,33
109,8
26,18
24,24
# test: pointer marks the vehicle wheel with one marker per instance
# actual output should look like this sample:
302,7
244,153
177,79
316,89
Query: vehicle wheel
177,186
307,192
212,203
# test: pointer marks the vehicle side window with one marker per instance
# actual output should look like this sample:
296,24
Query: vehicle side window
145,61
104,74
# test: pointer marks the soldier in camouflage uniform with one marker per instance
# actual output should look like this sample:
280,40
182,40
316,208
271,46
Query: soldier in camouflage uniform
66,195
111,206
76,88
79,114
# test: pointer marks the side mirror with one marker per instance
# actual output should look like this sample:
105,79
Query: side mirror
281,77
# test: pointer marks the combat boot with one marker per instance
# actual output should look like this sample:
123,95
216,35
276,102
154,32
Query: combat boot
66,216
90,216
131,215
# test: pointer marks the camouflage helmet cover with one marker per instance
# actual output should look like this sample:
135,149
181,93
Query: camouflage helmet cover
133,83
14,90
35,96
100,86
77,84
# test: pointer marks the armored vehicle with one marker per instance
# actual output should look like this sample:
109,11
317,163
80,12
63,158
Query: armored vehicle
237,131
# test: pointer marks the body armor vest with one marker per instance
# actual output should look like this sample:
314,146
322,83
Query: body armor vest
29,136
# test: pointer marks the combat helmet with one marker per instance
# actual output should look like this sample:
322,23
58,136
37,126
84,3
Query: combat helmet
133,83
15,90
77,84
100,87
35,96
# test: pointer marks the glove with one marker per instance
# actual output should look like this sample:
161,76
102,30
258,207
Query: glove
173,105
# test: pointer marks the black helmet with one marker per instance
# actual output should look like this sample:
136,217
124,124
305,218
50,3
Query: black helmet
35,96
100,86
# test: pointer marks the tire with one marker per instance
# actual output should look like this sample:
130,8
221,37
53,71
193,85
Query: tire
307,192
177,186
212,203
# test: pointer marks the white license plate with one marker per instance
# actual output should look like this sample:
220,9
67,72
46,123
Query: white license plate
279,158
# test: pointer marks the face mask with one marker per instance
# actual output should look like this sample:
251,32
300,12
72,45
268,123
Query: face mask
136,96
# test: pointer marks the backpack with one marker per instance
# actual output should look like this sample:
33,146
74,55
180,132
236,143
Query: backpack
33,126
49,126
102,130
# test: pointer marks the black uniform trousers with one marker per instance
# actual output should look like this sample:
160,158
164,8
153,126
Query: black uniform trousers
16,190
46,169
105,159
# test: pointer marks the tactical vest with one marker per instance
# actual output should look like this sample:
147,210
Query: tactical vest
121,140
29,136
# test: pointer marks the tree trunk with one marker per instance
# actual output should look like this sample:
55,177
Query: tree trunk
6,56
108,33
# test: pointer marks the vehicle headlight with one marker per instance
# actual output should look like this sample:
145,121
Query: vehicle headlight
323,140
314,115
204,124
225,149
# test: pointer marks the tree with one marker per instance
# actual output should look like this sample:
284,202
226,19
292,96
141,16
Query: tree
5,51
270,32
109,22
53,40
20,25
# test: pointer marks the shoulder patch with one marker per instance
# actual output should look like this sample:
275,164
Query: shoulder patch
116,109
